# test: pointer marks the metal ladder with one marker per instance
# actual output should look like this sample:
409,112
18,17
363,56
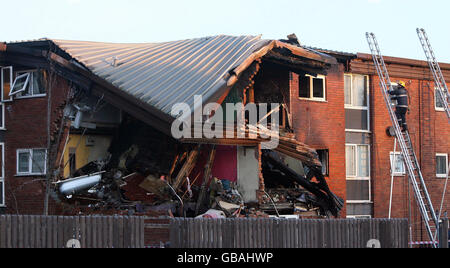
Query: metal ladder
435,69
404,140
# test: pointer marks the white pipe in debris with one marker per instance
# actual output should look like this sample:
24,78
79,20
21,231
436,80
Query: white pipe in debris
79,184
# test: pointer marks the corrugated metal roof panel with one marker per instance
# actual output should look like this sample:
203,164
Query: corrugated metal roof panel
163,74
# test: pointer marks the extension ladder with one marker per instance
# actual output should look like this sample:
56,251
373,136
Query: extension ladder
435,69
404,140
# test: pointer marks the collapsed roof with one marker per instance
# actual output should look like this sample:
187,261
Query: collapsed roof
158,75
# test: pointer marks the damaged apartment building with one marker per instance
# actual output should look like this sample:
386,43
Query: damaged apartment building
87,129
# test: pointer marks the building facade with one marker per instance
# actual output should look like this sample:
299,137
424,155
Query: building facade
351,122
340,113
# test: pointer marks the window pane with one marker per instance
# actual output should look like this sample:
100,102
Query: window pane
356,119
24,162
399,164
20,82
348,89
6,76
1,193
2,163
350,161
441,165
358,190
319,85
1,115
364,165
359,209
305,87
439,101
38,165
359,90
38,83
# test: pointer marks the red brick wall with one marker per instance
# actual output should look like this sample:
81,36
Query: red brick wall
321,125
429,131
26,128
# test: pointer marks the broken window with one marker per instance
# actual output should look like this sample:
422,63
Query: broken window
324,159
6,77
356,102
31,161
438,101
29,84
312,87
441,165
397,164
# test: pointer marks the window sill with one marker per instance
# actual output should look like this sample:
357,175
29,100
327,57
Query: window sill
314,100
357,108
31,97
29,175
439,109
351,202
399,175
358,131
441,176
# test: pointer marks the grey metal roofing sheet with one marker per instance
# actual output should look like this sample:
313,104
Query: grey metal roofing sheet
163,74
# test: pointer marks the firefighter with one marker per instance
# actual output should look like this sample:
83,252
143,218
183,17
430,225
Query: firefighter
400,94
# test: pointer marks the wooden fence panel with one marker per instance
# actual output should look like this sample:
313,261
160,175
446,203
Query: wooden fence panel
276,233
18,231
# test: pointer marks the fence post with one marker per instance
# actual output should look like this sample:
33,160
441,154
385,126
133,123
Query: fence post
443,233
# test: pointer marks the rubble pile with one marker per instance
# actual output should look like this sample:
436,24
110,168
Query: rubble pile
147,172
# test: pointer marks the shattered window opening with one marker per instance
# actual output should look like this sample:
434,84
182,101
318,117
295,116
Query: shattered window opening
312,88
324,159
441,165
72,161
31,162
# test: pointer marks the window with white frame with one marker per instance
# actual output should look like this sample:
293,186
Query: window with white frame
2,116
438,102
31,162
441,165
397,164
6,77
359,188
312,88
357,112
28,84
2,178
358,173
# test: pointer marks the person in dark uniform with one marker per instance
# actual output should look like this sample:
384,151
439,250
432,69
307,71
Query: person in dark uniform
400,94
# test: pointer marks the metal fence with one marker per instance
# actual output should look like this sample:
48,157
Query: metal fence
61,232
275,233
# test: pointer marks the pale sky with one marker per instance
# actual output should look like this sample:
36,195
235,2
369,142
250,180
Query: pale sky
331,24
